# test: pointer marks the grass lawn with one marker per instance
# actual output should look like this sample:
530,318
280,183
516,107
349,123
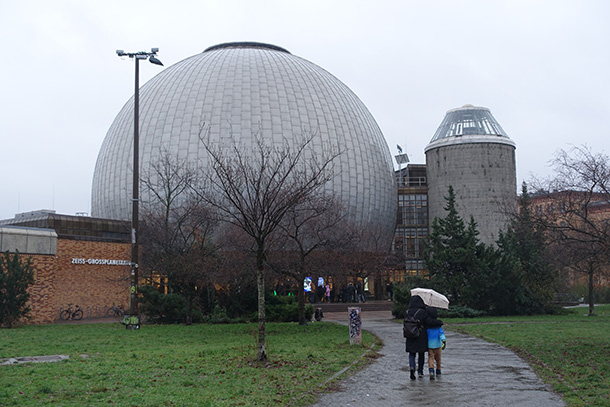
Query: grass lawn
175,365
570,352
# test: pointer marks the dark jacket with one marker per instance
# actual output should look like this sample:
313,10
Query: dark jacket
418,307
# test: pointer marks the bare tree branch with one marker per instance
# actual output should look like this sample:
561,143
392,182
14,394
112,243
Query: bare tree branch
255,187
574,206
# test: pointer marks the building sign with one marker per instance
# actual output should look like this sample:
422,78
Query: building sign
103,262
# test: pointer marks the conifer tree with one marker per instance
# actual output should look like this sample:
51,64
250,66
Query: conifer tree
451,254
16,276
526,239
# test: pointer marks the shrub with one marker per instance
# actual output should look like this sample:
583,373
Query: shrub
285,309
161,308
16,276
402,294
602,295
460,312
554,309
240,300
402,298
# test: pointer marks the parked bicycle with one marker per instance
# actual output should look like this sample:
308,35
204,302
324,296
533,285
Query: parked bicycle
115,311
75,313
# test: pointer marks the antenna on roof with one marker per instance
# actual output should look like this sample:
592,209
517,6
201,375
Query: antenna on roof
401,158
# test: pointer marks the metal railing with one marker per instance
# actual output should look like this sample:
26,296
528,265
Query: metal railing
411,181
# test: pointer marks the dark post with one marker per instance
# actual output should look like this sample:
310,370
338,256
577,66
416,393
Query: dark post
134,322
132,319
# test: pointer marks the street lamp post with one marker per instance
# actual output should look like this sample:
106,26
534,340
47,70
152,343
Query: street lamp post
132,320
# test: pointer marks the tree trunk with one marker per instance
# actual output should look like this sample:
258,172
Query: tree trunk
260,282
189,308
591,293
300,287
301,301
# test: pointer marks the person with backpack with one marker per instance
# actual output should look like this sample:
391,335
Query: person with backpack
417,339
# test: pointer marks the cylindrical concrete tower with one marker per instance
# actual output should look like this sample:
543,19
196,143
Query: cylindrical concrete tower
471,152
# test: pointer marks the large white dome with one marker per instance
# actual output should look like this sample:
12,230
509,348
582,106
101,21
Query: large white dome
241,89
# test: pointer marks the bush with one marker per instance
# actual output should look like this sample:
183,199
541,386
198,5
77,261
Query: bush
460,312
219,315
240,301
402,294
15,278
161,308
553,309
602,295
285,309
402,298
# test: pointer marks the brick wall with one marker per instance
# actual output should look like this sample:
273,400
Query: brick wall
42,292
94,287
60,280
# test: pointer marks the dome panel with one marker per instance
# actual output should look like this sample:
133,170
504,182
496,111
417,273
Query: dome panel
238,90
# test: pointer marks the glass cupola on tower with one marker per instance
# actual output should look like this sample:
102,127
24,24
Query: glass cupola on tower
468,120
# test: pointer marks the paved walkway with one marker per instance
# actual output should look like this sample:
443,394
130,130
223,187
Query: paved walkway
475,373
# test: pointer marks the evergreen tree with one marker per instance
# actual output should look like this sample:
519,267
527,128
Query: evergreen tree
523,260
512,279
15,278
453,255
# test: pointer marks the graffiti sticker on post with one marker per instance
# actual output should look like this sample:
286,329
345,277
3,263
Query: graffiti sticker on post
355,326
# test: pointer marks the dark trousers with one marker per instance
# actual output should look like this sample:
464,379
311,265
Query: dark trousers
420,361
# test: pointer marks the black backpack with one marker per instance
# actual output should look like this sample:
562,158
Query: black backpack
411,326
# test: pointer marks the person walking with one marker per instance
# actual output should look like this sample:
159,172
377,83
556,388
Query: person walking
351,292
390,290
419,346
436,343
360,293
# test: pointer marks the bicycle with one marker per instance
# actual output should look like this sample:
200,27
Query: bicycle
115,311
75,313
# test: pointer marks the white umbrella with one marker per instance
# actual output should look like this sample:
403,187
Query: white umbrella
431,298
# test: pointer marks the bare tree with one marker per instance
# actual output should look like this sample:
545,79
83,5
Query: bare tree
168,183
310,227
254,188
576,212
368,252
178,229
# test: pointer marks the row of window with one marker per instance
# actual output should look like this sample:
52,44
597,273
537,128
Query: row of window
421,198
413,216
409,241
550,208
413,209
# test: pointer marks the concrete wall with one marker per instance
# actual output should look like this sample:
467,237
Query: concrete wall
483,176
28,240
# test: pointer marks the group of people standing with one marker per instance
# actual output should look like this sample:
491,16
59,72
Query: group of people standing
431,339
321,294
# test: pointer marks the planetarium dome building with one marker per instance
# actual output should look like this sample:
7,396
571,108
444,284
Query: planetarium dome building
241,91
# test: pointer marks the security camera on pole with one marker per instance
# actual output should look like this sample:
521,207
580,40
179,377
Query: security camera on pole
132,317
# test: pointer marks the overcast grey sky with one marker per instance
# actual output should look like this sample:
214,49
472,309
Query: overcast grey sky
542,67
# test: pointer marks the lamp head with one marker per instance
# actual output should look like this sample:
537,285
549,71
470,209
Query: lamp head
154,60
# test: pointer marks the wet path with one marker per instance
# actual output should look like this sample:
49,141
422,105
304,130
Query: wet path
475,373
